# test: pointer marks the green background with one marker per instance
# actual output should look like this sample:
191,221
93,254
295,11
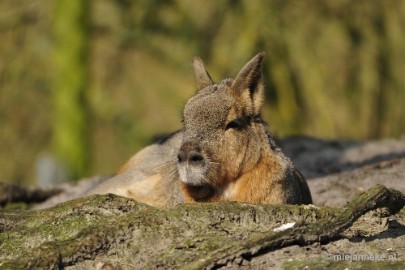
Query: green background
85,84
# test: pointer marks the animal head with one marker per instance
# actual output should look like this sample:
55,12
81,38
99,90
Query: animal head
224,135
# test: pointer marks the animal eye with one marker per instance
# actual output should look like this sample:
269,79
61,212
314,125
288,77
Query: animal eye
235,124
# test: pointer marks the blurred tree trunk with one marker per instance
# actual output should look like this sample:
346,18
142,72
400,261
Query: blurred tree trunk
70,62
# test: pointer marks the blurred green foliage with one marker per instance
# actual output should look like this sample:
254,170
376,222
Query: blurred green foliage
333,69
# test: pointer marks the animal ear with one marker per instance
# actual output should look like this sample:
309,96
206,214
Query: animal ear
249,82
201,74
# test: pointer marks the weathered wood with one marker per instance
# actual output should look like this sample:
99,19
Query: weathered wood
116,230
14,193
323,230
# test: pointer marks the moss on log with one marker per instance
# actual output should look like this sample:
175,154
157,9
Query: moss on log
192,236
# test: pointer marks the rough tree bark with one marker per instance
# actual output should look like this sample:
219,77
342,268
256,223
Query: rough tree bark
119,231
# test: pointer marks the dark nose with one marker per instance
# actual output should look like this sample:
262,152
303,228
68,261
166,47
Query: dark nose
190,153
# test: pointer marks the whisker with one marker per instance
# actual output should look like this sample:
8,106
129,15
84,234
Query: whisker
166,164
210,162
174,173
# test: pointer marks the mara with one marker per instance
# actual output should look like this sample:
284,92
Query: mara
223,153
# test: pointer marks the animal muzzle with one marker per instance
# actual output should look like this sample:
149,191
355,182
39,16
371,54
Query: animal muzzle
190,153
191,164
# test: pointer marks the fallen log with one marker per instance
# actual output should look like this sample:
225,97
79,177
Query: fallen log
112,230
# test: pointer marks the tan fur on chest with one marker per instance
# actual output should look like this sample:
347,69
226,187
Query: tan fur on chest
262,185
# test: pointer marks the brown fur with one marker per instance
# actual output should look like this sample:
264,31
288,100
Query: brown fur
128,165
223,153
